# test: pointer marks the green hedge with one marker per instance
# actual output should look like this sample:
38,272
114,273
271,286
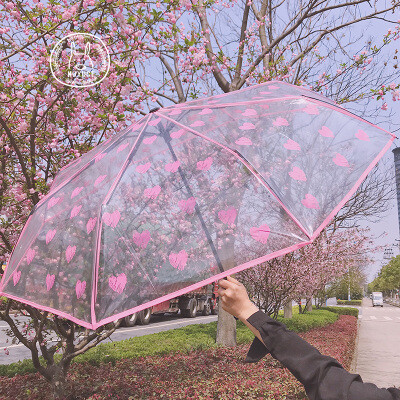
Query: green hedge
184,339
350,302
342,310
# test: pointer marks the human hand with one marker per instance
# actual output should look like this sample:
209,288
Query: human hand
234,299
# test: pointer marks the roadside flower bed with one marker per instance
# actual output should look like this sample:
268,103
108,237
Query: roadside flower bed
214,373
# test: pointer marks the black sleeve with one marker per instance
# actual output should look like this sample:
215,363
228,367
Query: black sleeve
323,377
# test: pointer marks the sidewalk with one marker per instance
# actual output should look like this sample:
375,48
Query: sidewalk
377,357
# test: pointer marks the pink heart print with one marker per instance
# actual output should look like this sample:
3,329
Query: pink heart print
50,281
260,233
292,145
99,179
80,288
228,216
154,122
153,192
205,164
50,235
244,141
173,166
141,239
249,112
122,147
143,168
298,174
175,112
135,127
16,276
53,201
75,211
272,87
177,134
76,192
362,135
326,132
247,126
187,205
112,219
197,123
99,157
117,283
150,139
340,160
311,109
30,254
70,252
205,111
178,260
280,122
310,201
263,92
91,224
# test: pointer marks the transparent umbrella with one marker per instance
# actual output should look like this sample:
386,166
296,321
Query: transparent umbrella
188,195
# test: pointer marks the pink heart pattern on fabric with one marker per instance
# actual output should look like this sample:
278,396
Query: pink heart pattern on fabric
150,139
99,157
80,288
205,164
76,192
112,219
197,123
53,201
340,160
100,179
154,122
272,87
175,112
280,122
310,201
153,192
187,205
205,111
178,260
141,239
91,224
70,252
326,132
244,141
30,254
263,92
143,168
117,283
75,211
122,147
292,145
50,235
311,109
362,135
247,126
260,233
228,216
177,134
173,166
249,112
50,281
298,174
16,276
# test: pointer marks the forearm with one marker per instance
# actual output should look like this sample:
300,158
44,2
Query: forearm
247,312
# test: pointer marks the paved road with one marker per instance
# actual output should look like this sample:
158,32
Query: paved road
157,324
377,357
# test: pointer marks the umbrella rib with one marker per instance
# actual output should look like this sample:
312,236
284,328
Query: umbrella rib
249,166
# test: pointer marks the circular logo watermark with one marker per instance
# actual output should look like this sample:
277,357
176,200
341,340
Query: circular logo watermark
80,60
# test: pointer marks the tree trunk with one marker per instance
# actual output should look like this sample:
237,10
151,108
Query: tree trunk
287,310
309,304
226,328
58,382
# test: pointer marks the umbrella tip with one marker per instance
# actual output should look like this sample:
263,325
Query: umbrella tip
154,109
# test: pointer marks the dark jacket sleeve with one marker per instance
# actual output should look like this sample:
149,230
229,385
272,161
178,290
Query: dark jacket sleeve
323,377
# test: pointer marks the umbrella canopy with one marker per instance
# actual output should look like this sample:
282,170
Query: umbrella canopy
188,195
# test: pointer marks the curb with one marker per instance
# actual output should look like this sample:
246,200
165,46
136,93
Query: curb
353,365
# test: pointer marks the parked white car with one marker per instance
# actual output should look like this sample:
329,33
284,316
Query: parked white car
377,299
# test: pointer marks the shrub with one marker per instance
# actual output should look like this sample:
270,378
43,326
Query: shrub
342,310
350,302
